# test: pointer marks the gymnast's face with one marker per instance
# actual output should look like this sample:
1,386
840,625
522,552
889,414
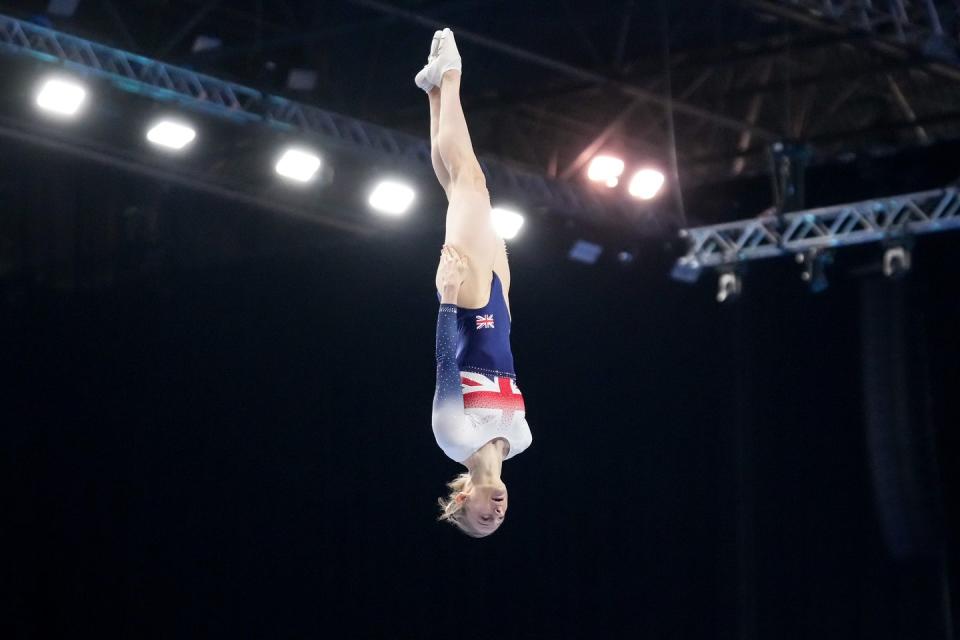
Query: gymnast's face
485,507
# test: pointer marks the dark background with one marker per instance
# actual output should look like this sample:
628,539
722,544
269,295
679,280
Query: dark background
205,442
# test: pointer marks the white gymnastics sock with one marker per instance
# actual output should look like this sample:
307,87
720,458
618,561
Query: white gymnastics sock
448,57
421,78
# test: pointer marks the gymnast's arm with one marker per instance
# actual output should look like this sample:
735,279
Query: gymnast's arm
448,398
448,416
449,420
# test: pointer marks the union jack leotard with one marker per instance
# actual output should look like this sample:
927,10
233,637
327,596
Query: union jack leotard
477,398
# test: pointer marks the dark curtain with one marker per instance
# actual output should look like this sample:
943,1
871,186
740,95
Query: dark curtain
221,427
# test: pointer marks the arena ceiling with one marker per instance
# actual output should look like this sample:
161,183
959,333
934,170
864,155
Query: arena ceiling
545,79
701,88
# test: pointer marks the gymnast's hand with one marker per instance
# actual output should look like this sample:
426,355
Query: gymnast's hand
451,274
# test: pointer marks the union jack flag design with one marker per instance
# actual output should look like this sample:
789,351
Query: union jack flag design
481,392
485,322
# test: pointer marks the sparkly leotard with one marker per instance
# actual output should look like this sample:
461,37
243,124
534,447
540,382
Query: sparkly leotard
477,398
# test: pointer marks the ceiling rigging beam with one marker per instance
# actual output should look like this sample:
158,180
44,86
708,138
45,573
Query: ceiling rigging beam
917,44
570,70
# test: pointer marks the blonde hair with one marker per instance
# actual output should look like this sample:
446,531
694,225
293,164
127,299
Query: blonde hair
451,510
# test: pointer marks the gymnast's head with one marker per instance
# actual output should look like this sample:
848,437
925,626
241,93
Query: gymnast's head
476,509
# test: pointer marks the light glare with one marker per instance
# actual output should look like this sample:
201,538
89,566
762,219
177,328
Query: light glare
646,184
506,222
391,197
171,135
61,97
298,165
606,169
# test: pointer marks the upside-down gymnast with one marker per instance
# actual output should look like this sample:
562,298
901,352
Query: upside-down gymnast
478,411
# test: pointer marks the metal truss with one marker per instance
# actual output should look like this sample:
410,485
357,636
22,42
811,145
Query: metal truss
923,25
806,85
127,70
726,245
140,75
572,71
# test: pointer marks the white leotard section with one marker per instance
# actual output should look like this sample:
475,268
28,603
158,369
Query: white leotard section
461,432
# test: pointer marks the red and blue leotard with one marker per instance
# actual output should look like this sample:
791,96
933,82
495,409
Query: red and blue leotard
477,398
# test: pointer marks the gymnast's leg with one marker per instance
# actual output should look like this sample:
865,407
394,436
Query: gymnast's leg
438,167
468,223
468,218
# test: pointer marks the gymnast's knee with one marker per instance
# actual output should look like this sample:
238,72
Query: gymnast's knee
467,176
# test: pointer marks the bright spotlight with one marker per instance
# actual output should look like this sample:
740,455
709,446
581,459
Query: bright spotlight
606,169
646,184
298,164
506,222
391,197
61,97
171,135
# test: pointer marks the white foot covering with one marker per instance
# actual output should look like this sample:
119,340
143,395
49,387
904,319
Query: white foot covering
421,78
434,46
448,57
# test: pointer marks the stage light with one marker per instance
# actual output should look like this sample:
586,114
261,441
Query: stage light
61,97
392,197
606,169
896,261
646,184
172,135
62,8
506,222
298,164
585,252
302,80
729,286
815,263
686,269
205,43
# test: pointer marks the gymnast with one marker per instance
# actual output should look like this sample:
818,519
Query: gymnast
478,411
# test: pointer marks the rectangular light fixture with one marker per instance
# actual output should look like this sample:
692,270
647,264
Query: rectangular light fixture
61,97
171,135
205,43
302,80
298,164
585,252
391,197
62,8
506,222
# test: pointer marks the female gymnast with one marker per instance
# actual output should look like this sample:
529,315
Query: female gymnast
478,411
